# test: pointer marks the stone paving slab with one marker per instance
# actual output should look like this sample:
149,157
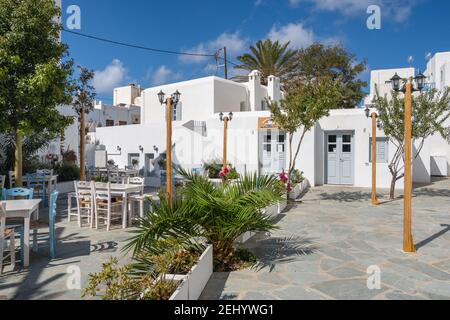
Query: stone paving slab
339,235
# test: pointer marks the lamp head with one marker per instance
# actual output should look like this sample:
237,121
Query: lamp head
420,80
161,97
396,82
221,116
230,116
176,97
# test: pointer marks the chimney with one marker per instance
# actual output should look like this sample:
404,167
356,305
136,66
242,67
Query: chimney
254,86
274,89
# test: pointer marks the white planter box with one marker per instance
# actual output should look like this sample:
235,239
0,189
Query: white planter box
65,187
182,292
298,190
198,277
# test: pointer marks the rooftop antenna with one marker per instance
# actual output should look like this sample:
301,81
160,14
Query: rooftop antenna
225,64
428,56
410,61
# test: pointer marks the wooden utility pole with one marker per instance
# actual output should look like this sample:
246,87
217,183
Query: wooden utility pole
82,145
169,148
225,62
374,159
225,141
408,244
18,161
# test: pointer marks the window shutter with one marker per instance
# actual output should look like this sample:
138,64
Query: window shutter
179,111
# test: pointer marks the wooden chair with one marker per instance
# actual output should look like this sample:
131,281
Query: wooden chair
48,174
85,202
12,179
50,224
105,205
36,181
6,233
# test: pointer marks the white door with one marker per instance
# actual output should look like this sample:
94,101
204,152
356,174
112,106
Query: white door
339,160
272,151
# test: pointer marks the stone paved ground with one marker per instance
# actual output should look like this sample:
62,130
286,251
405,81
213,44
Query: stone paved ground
324,246
321,251
84,248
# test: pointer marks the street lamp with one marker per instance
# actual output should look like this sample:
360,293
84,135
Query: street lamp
374,116
225,120
173,99
407,89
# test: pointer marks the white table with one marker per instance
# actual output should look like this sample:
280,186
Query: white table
23,209
123,190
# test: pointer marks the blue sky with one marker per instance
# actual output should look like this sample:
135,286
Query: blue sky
409,28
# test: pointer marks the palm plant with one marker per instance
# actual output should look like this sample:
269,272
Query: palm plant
216,214
270,58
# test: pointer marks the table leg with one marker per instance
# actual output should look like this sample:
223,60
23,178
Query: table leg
26,245
125,213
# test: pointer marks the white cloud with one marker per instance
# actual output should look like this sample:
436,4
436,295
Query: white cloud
398,10
234,43
297,34
111,77
163,75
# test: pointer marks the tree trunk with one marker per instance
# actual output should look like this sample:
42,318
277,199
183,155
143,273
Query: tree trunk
18,159
393,183
82,146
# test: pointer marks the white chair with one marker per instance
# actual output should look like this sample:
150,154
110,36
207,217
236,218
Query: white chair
140,198
85,202
105,205
71,210
12,179
6,234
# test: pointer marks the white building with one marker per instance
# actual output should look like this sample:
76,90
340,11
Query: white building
336,151
126,110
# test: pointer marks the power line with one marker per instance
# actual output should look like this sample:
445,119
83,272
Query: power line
138,46
129,45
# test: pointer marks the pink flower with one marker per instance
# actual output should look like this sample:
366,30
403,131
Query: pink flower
283,177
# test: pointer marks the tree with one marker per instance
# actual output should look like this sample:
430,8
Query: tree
430,111
270,58
83,104
305,103
34,79
318,61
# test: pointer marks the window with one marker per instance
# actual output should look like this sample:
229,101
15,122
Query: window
123,123
110,123
133,160
177,112
382,150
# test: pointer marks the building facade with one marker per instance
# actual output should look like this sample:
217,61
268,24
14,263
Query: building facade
336,151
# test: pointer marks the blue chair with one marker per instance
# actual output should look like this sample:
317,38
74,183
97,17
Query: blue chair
50,224
36,181
12,194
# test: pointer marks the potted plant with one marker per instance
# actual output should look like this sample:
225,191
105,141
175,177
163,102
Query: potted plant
298,184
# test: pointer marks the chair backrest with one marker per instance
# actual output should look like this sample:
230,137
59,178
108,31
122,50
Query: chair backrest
11,194
84,190
137,181
35,179
52,205
102,191
12,179
47,172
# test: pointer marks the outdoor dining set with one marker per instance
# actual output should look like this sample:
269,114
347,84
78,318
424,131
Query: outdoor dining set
98,203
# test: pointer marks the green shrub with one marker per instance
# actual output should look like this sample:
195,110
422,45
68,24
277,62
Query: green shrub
297,177
67,172
215,166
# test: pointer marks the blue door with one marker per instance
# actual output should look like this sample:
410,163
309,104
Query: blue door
339,159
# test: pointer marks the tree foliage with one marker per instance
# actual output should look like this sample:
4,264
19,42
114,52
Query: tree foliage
271,58
430,113
84,91
334,62
305,103
34,79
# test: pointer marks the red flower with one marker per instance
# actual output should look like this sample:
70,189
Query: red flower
283,177
288,188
